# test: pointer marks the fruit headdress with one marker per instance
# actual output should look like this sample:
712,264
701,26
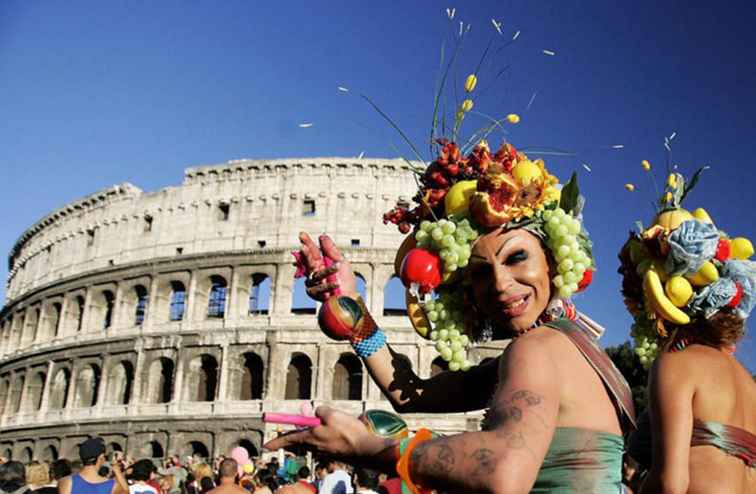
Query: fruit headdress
682,271
461,197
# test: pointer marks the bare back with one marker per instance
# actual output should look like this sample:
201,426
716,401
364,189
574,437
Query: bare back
705,384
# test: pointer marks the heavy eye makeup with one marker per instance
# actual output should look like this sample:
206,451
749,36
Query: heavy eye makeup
516,257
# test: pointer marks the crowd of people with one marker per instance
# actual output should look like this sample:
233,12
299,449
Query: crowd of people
94,472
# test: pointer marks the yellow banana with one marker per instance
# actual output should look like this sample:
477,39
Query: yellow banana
707,275
662,305
417,315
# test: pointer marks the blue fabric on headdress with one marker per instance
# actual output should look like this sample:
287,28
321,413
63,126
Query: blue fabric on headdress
744,272
691,244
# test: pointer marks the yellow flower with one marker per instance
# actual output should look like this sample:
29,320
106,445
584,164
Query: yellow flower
672,181
646,165
513,118
467,105
630,187
470,83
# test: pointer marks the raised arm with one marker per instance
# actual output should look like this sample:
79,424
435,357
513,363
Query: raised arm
447,392
671,395
504,459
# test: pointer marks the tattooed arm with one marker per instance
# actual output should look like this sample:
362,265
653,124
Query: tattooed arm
507,457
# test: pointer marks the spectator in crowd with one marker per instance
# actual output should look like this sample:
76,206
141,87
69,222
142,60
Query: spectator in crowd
301,484
141,473
365,481
190,486
13,478
201,471
60,468
38,478
265,482
75,466
227,473
206,485
177,470
167,484
337,481
89,480
321,470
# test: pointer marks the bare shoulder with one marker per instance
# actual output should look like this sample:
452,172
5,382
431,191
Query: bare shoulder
538,349
695,360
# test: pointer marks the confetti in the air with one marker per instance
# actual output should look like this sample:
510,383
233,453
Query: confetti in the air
549,53
497,26
532,98
673,135
516,35
461,27
343,89
618,146
587,168
450,13
361,155
305,125
666,145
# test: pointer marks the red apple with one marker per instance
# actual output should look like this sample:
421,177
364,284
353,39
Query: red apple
587,279
422,268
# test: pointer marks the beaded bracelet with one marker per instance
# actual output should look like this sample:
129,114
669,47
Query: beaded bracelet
367,338
406,446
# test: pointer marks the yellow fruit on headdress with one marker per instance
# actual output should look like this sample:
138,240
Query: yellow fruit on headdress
457,200
552,194
417,315
658,300
707,275
526,171
701,215
679,290
470,83
741,248
673,218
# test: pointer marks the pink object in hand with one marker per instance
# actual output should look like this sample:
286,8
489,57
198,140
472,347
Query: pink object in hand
290,419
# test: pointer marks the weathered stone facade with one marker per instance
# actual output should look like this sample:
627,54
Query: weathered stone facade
166,321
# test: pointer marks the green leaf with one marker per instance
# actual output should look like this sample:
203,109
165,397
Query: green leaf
692,183
570,194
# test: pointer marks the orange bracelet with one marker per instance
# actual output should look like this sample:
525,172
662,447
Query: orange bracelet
403,465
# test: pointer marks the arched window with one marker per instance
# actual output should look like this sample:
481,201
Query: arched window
18,388
439,365
4,391
79,313
120,383
301,302
361,286
27,456
156,450
252,378
160,389
250,447
50,453
34,394
178,301
299,378
393,298
109,300
347,378
57,308
59,390
197,449
259,294
87,384
207,378
142,299
216,305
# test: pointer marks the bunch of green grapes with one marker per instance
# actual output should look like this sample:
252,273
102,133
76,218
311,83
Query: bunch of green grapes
646,345
563,230
447,317
451,240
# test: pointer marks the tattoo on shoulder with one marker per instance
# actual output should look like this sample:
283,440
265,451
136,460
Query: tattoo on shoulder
485,463
510,409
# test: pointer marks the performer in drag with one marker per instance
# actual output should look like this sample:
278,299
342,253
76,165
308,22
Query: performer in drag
690,289
502,248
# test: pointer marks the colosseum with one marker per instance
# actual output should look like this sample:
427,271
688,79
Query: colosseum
168,322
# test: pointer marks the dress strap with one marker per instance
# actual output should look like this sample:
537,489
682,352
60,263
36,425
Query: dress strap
732,440
615,383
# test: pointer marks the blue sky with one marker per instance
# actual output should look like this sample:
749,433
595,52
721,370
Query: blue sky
97,93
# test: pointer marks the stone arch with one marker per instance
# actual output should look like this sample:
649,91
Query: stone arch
347,378
160,381
102,309
31,325
177,303
34,393
393,298
140,299
301,303
4,393
87,384
51,321
299,378
155,449
80,305
253,373
120,383
258,302
196,449
8,452
202,382
26,456
217,297
438,366
59,389
362,287
114,446
15,395
249,446
49,454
